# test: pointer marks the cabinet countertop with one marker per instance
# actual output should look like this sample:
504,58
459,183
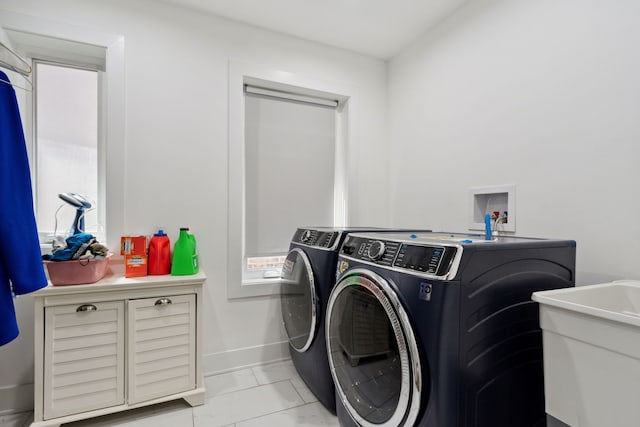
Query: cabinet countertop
114,280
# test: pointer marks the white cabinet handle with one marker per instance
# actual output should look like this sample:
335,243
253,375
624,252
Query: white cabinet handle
86,307
163,301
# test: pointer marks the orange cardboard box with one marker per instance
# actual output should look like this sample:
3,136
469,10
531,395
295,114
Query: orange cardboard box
135,265
133,245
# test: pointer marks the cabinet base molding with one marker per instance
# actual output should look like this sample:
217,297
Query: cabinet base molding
192,397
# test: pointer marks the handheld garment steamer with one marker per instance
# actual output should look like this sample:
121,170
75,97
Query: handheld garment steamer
80,203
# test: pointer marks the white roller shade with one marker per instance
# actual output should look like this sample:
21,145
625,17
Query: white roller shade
289,170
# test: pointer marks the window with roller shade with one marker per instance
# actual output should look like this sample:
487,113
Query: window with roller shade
284,173
289,176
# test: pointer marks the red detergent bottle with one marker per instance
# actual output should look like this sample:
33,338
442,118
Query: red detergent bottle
159,254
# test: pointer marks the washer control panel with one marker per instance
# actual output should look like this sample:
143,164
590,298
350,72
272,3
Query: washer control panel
316,238
420,258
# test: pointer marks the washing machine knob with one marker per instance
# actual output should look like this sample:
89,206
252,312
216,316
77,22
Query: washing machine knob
306,236
376,250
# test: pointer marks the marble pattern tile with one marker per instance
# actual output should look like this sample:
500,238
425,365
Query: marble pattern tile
312,414
274,372
261,396
230,382
246,404
302,389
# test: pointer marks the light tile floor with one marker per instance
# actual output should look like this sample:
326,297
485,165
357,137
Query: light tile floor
271,395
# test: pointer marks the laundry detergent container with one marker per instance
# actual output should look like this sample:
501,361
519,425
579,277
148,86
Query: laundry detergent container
77,272
591,345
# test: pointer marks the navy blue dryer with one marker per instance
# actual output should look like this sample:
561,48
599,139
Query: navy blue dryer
439,330
308,275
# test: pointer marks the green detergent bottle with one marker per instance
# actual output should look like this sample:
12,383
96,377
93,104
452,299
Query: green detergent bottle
185,255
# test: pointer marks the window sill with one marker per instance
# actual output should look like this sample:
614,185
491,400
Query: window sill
261,281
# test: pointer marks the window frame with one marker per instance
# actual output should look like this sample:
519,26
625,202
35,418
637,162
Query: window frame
241,74
44,235
113,113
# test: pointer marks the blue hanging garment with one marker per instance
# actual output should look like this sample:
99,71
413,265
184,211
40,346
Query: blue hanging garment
21,269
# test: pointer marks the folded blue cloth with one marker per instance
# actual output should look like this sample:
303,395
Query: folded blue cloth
77,245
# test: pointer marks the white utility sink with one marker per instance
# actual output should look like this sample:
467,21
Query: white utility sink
591,341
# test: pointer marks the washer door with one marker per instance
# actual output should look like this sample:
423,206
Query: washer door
299,300
373,353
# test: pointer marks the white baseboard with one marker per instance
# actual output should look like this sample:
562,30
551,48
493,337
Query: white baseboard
16,398
231,360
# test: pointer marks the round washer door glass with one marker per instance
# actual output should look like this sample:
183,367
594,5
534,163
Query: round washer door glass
299,300
372,352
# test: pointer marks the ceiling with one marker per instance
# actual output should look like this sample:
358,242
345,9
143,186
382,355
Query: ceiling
378,28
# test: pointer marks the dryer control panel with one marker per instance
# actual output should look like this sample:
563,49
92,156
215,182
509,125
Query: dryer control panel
316,238
421,258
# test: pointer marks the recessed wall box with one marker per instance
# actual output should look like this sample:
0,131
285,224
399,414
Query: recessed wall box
487,200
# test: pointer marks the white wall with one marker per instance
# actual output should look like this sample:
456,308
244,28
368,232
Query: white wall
541,94
176,65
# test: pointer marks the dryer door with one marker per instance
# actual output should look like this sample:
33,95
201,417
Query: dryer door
299,300
373,352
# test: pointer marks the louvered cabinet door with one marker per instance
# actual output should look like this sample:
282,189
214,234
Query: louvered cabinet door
83,358
162,346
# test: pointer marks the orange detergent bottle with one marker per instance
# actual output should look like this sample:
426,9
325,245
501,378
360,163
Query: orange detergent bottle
159,254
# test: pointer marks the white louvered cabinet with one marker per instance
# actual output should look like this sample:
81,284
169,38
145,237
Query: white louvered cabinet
115,345
84,354
161,345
